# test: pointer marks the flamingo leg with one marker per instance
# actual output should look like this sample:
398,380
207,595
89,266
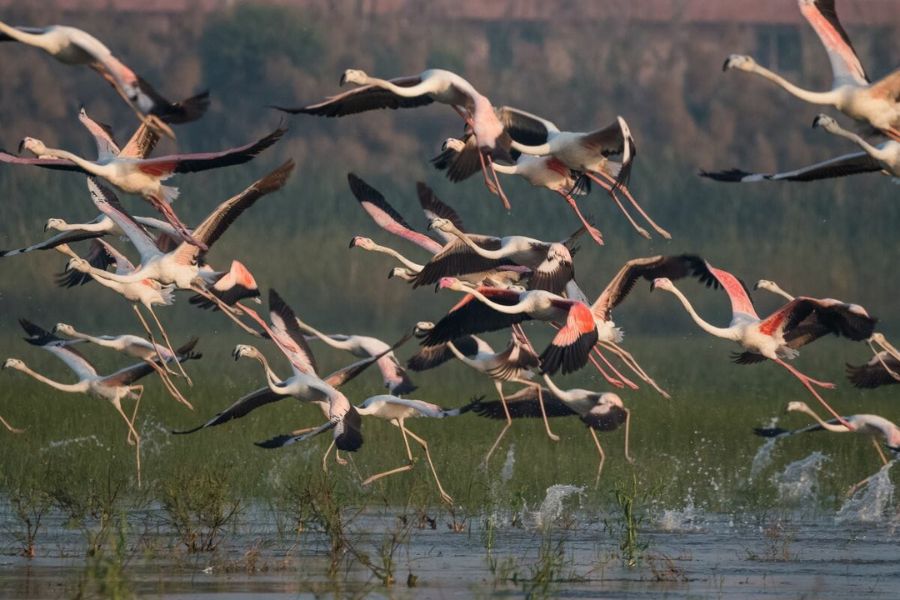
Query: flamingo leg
884,459
133,437
499,188
10,427
615,371
592,231
627,435
230,311
806,381
600,452
406,467
166,211
540,394
327,452
621,186
890,350
169,345
152,339
609,378
444,495
629,360
487,457
612,194
167,383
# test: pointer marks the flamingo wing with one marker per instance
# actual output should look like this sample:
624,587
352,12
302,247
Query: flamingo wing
164,166
362,99
434,209
516,357
288,336
107,202
129,375
845,65
456,258
63,237
649,268
571,347
102,134
62,349
141,144
429,357
840,166
614,140
384,215
741,304
811,318
888,87
232,287
242,407
460,164
524,404
58,164
873,374
470,316
554,272
524,127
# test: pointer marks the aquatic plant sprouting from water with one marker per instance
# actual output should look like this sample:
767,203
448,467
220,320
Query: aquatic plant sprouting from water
199,508
30,505
630,546
105,575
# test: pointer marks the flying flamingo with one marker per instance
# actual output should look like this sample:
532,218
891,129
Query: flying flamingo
877,104
514,364
871,425
155,355
432,85
543,171
73,46
490,309
115,387
777,337
394,410
882,369
143,176
550,263
599,411
233,286
886,154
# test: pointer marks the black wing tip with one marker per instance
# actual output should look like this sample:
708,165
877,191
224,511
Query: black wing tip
351,439
729,176
279,441
187,431
406,387
769,432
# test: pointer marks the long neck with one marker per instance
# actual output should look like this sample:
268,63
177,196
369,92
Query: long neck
515,309
81,386
828,98
722,332
824,424
94,340
874,152
272,379
561,394
391,252
31,39
423,87
507,169
87,165
539,150
345,345
494,254
777,290
463,358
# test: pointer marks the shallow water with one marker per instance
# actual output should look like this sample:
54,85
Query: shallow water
689,554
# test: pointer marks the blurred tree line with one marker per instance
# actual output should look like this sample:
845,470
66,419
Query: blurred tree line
832,238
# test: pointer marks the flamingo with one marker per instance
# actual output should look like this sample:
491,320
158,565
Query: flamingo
233,286
432,85
490,309
115,387
882,369
73,46
550,263
143,176
155,355
394,410
871,425
777,337
514,364
877,104
599,411
886,154
543,171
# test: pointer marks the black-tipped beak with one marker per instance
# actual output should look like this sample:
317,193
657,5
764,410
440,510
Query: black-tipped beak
21,145
725,64
235,355
652,285
343,79
46,226
391,274
755,286
430,225
352,243
815,122
437,287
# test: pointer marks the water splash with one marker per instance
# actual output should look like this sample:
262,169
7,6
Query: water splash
684,519
79,441
506,472
763,457
799,481
869,502
552,507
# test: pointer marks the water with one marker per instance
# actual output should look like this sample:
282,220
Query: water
798,482
870,502
552,507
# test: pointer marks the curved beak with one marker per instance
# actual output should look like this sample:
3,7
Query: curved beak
352,243
343,78
46,226
430,225
391,274
21,145
725,64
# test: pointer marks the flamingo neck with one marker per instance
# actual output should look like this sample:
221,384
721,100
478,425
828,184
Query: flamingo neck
32,39
391,252
539,150
507,169
728,333
330,341
873,151
463,358
423,87
824,424
81,386
493,254
561,394
87,165
515,309
829,98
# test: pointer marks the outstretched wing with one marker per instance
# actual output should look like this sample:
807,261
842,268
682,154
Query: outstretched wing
62,349
241,408
457,258
840,166
845,65
523,404
470,316
362,99
202,161
875,373
290,338
434,209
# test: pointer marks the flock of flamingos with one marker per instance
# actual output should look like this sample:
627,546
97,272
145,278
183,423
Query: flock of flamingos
502,281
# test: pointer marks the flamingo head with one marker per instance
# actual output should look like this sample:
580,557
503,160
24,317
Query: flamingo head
64,328
449,283
422,328
354,76
362,242
662,283
765,284
825,122
796,406
13,363
78,264
54,223
453,144
244,350
441,224
33,145
740,62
